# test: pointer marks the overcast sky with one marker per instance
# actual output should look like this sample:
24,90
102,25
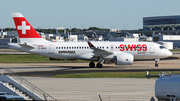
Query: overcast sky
120,14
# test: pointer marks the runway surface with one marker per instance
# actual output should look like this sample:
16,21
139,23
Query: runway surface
89,89
51,69
80,89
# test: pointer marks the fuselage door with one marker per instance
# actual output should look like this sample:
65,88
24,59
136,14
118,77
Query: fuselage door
111,48
51,49
151,48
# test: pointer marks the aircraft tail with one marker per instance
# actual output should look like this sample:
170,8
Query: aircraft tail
25,31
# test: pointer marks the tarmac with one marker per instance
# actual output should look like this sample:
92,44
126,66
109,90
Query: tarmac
94,89
89,89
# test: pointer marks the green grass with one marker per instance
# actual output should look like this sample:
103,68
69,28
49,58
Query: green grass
108,75
7,58
175,50
104,75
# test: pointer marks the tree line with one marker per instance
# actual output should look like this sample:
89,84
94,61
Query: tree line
59,31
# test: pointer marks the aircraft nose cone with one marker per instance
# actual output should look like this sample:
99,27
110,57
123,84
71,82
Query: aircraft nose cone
169,53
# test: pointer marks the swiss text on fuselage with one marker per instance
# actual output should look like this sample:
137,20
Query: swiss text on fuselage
133,47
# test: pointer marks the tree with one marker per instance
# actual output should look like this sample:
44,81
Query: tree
94,28
75,30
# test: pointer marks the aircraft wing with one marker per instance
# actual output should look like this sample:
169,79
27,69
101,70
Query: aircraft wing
98,51
26,46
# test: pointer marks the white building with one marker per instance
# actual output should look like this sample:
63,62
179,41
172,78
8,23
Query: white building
3,34
73,38
48,36
167,38
82,37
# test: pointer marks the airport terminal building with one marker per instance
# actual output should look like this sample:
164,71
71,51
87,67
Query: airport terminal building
162,23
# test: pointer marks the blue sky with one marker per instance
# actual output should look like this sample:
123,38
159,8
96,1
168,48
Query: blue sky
120,14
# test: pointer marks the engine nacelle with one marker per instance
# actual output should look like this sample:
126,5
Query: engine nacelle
123,59
167,87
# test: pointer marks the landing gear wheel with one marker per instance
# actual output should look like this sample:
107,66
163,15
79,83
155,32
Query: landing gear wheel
99,65
156,65
91,64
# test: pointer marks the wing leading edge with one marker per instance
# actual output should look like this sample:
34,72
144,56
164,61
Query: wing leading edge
98,51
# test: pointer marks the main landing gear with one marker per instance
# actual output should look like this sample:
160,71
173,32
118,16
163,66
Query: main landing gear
156,64
92,64
98,65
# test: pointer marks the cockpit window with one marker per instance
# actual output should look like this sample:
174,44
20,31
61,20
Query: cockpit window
162,47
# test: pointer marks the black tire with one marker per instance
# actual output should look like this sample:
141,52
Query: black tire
99,65
156,65
91,64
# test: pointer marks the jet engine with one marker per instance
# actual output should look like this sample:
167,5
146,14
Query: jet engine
123,59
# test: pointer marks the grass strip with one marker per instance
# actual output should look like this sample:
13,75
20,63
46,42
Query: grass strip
108,75
175,50
8,58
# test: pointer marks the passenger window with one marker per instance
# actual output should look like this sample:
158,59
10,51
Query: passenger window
61,47
74,47
69,47
82,47
56,47
64,47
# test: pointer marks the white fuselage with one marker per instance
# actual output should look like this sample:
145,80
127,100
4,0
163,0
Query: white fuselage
81,50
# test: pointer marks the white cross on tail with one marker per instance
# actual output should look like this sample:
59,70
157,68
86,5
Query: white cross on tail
23,27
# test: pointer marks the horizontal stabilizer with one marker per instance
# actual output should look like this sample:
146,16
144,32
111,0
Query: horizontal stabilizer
26,46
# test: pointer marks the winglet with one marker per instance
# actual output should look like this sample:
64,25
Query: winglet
90,44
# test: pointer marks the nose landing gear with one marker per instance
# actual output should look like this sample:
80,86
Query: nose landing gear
156,64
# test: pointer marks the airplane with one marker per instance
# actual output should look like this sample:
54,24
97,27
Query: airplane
120,53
